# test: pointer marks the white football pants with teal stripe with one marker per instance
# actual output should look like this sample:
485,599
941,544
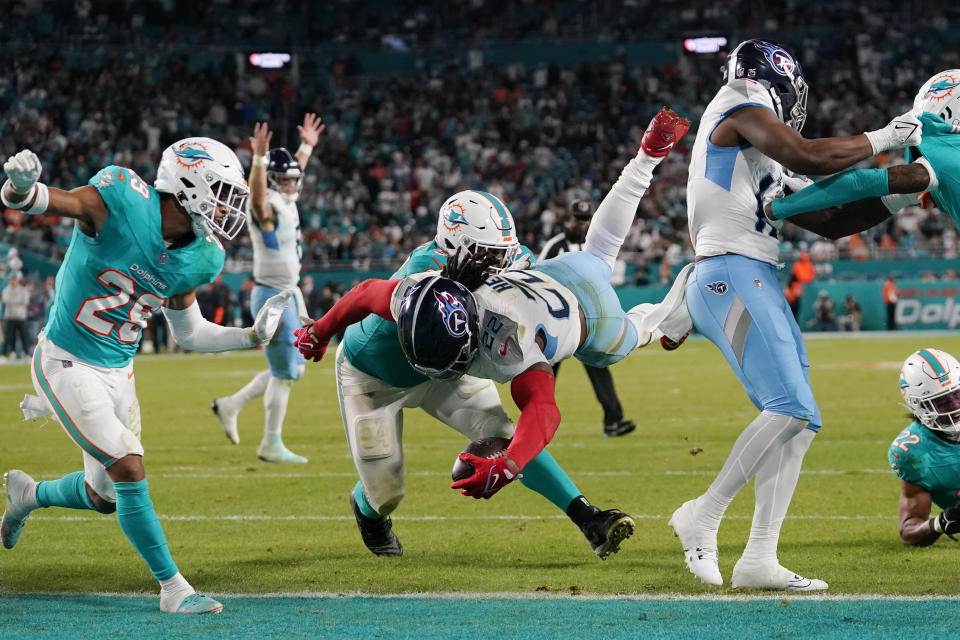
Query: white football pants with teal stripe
96,406
737,303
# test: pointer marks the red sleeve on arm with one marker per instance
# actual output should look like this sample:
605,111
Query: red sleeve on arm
533,391
370,296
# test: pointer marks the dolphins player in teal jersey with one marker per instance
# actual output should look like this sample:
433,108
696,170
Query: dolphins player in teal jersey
926,455
376,383
931,176
135,248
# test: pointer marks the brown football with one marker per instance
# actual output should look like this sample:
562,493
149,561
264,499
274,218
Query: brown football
484,448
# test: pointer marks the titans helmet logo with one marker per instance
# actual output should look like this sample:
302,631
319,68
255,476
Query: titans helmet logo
454,314
454,216
719,287
190,154
781,61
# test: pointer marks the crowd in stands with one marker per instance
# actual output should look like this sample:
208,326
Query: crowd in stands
86,84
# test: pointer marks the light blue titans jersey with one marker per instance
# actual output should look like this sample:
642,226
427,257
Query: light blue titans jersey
107,285
923,458
941,148
372,346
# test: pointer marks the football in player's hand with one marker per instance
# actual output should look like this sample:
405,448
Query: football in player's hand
484,448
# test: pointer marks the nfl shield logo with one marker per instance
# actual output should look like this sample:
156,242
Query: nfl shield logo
758,284
162,258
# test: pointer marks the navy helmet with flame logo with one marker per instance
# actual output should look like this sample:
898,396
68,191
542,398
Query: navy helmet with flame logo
779,72
437,327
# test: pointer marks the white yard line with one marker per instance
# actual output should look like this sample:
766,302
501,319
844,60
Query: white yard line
320,518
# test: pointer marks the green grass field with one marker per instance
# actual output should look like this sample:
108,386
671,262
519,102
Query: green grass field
236,525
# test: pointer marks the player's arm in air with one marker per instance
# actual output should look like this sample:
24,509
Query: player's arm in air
856,200
195,333
370,296
24,192
309,132
916,526
260,207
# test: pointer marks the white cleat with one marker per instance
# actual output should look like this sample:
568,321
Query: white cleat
194,603
699,544
770,575
227,415
21,500
276,452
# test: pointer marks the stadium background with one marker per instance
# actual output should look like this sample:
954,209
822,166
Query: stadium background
539,102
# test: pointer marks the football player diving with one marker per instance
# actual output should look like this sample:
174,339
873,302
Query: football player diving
376,384
512,326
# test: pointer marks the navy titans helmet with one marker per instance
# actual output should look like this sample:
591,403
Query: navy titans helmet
773,67
281,164
437,326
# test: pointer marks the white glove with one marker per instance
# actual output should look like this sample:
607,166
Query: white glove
23,171
523,262
268,318
795,182
902,131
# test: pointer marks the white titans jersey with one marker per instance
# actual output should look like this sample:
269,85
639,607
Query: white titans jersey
514,307
726,184
276,254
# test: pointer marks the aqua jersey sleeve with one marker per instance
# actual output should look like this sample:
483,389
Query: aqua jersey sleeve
907,462
941,148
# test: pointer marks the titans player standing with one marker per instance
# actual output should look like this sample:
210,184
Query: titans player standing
275,180
748,135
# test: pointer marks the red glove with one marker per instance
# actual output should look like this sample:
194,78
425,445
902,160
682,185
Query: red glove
670,345
489,476
308,344
664,131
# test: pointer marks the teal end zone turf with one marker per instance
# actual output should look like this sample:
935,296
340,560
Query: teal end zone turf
104,616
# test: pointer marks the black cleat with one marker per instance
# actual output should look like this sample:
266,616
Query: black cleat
606,530
378,533
620,428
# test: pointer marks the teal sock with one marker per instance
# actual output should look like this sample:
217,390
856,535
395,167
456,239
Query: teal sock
544,475
69,491
365,507
139,522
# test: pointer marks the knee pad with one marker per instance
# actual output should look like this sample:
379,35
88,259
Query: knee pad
374,438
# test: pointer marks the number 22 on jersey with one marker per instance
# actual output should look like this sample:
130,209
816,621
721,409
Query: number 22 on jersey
92,309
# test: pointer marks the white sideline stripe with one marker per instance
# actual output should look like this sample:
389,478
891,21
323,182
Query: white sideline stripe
526,595
314,518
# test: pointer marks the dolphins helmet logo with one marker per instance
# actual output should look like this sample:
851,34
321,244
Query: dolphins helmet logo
454,216
942,87
781,61
190,154
454,314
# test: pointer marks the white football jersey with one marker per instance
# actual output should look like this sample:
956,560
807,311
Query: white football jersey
277,253
726,184
514,307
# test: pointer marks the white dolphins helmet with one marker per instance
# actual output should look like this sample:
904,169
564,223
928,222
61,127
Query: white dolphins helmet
472,220
940,95
930,386
205,175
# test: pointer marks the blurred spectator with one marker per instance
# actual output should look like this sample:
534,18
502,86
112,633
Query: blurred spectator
16,300
950,274
824,313
36,312
311,296
928,276
852,316
793,292
890,296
